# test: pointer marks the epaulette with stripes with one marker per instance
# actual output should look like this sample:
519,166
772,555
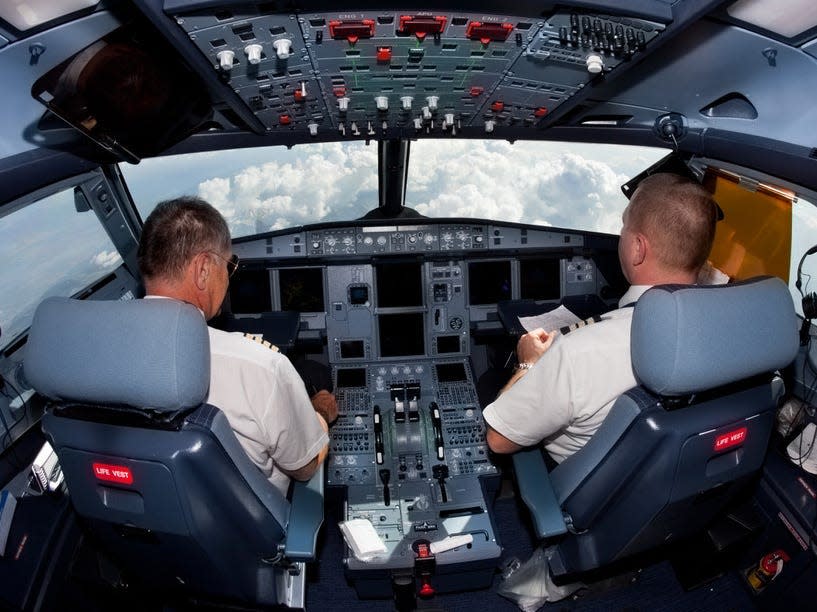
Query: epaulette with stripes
260,340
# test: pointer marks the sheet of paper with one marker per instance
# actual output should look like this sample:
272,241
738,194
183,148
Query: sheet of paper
549,321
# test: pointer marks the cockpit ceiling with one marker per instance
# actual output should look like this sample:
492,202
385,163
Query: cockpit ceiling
684,74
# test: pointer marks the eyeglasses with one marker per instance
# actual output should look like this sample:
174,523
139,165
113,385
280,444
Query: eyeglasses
232,263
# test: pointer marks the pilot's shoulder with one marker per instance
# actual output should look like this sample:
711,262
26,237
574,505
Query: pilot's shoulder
239,344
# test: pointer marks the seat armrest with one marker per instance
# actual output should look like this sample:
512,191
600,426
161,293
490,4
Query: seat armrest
537,493
305,517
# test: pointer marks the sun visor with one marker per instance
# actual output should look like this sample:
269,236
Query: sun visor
132,98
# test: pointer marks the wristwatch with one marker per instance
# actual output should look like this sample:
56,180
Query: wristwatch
523,366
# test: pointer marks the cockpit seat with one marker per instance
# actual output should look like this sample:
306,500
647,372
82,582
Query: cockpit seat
673,451
156,473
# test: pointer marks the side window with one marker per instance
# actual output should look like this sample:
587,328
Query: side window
804,236
47,248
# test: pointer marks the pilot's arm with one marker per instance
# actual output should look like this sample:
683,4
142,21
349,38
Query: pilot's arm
307,471
518,407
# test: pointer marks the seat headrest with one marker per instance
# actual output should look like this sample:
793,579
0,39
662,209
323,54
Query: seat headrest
140,353
687,339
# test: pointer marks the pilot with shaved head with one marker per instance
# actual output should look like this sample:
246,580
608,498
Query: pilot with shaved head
185,253
565,385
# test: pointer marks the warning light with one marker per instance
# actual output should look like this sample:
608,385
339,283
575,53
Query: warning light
299,95
486,32
351,30
284,119
498,106
730,439
384,54
119,474
426,590
339,91
476,91
540,112
421,26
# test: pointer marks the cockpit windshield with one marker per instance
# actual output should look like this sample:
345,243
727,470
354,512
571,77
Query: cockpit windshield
263,189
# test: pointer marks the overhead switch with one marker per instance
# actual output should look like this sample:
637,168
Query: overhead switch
225,59
432,102
343,104
283,48
253,53
384,54
313,130
382,103
594,64
406,102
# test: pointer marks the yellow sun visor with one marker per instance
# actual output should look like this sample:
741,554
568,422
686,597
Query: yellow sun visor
754,237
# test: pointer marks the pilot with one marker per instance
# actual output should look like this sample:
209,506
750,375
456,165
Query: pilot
565,385
185,254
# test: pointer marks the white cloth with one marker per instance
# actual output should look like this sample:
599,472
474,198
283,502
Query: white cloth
266,404
564,397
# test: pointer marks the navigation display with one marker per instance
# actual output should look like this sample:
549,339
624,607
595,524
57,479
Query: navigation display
250,292
301,289
489,282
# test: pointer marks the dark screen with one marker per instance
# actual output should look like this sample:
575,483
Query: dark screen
448,344
250,292
301,289
358,294
399,284
401,335
352,377
539,279
489,282
450,372
351,349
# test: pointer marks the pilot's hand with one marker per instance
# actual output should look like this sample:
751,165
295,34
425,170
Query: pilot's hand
533,345
325,405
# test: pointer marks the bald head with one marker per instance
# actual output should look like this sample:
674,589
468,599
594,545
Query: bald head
677,217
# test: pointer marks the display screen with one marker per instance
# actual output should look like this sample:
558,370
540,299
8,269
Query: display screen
448,344
250,292
539,279
399,284
351,349
351,377
450,372
358,294
301,289
401,335
489,282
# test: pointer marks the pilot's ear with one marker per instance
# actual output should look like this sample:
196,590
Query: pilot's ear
201,267
640,246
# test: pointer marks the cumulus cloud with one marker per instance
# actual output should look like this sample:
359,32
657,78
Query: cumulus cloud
106,259
543,183
519,183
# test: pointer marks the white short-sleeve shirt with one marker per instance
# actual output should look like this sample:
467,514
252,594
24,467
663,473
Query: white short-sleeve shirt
266,404
566,395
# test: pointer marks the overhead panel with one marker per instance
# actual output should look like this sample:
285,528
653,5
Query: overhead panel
564,56
373,74
425,72
263,58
